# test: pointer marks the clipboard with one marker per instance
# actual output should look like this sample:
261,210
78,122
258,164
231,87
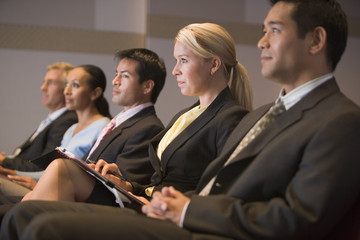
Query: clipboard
123,197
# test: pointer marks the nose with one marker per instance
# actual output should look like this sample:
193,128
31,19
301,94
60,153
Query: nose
175,70
263,42
43,86
67,89
116,81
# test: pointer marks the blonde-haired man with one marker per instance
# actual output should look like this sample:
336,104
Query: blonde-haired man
51,130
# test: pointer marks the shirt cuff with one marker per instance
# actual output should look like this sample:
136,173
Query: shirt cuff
182,218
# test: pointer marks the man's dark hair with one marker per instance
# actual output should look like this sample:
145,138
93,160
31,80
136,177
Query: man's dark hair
150,67
309,14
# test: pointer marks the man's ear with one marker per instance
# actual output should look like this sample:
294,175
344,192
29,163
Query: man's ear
318,40
216,64
96,93
148,86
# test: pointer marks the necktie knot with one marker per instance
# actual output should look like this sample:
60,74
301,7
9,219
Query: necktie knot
277,109
109,126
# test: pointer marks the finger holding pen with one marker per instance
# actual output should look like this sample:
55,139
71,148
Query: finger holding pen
112,172
104,168
108,168
99,165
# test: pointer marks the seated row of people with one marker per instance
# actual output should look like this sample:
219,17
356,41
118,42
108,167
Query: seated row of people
195,136
216,171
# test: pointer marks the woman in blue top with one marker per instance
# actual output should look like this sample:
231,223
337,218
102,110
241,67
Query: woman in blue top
84,93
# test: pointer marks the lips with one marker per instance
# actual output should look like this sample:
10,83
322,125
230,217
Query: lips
265,58
115,92
180,83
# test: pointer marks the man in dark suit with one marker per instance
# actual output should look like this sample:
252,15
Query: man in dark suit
51,130
140,77
295,179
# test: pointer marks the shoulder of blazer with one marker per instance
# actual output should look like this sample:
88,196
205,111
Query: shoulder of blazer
223,99
69,116
318,94
145,113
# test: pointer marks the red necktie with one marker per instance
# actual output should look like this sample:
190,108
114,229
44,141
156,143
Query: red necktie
106,130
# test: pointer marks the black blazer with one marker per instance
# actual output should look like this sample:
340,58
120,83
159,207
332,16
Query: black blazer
185,158
296,180
127,145
47,140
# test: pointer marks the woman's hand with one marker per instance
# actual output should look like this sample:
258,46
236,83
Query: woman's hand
25,181
2,157
6,171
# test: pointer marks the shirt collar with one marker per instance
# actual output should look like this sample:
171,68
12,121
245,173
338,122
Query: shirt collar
126,114
57,113
294,96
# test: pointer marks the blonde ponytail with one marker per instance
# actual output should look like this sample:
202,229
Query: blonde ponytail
240,86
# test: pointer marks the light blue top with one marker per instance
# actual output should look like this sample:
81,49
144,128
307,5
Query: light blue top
79,144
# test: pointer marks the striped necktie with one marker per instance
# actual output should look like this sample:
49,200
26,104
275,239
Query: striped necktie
259,126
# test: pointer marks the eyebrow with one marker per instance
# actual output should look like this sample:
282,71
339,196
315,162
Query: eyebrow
274,23
123,71
180,55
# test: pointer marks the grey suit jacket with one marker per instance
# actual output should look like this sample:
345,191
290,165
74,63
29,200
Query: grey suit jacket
186,157
127,145
46,141
294,181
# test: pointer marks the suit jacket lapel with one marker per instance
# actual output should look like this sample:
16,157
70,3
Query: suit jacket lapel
232,142
243,128
27,143
118,130
194,127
